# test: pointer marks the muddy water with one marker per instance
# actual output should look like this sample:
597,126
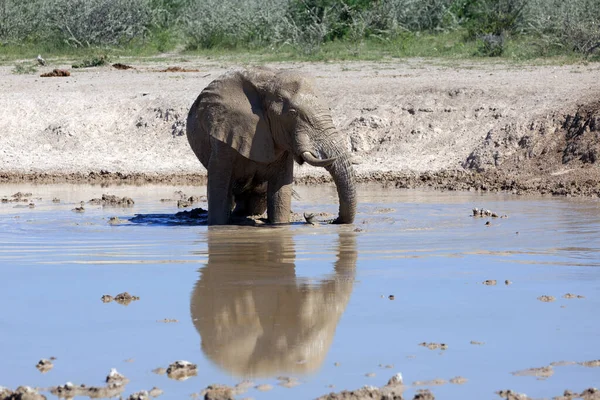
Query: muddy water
346,306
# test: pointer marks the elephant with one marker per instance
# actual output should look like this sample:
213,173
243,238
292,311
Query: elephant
248,127
254,316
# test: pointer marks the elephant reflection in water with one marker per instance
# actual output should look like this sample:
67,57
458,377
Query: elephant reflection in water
254,316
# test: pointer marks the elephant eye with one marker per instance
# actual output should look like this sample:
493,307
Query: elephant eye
293,111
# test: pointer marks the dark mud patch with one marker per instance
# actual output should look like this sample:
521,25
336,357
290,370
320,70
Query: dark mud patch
122,298
178,69
196,216
56,73
109,200
122,66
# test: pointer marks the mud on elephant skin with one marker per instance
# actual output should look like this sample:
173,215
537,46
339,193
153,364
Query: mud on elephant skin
248,127
254,316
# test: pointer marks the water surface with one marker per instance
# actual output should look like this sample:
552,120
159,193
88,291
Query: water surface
310,302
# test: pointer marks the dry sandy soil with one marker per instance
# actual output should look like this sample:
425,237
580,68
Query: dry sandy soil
443,124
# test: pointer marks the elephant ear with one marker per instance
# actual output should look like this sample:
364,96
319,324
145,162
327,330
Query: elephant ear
233,114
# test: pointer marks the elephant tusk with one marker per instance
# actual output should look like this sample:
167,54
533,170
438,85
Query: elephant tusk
317,162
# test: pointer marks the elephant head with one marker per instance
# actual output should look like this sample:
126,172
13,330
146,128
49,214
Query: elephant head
254,316
266,116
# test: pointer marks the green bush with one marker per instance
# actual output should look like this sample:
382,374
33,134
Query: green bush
573,25
550,26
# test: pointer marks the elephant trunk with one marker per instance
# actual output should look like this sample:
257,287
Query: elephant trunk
343,175
323,140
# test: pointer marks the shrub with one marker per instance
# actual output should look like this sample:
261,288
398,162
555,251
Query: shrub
84,23
574,25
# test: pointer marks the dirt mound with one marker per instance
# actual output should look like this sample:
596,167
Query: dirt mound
179,69
559,151
566,138
122,66
56,72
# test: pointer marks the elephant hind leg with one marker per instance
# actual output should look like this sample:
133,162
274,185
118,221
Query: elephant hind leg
251,202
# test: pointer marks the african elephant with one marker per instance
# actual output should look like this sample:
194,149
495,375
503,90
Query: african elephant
255,317
247,127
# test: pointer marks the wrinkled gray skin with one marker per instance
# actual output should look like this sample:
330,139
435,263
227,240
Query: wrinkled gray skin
248,127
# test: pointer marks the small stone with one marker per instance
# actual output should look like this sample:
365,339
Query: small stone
183,204
424,394
546,299
115,377
159,371
459,380
115,221
218,392
155,392
125,298
107,298
142,395
26,393
434,346
573,296
370,374
181,370
44,365
391,297
591,364
507,282
168,320
490,282
396,380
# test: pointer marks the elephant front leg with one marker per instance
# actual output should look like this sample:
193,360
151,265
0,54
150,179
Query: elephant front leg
279,191
220,198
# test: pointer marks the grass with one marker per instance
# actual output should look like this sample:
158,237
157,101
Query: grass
446,46
25,68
